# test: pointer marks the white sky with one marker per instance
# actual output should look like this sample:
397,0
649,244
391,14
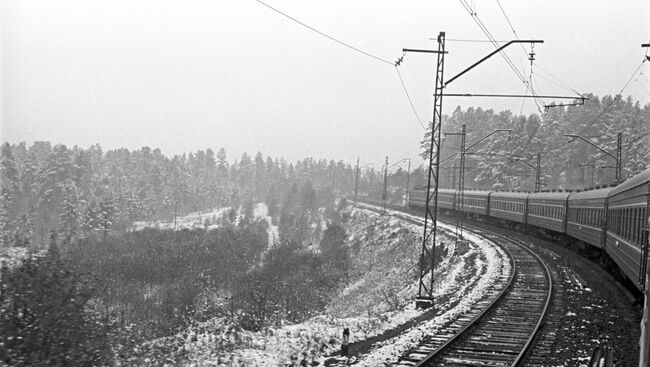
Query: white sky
188,75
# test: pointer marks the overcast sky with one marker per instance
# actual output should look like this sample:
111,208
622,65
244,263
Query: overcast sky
188,75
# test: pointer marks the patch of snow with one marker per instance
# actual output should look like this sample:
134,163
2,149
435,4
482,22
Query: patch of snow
189,221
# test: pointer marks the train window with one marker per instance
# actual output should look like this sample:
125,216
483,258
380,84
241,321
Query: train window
619,218
594,216
626,219
628,228
633,222
639,226
630,224
638,223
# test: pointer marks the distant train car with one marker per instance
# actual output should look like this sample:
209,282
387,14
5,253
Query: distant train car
417,197
627,213
508,205
447,198
548,210
475,201
586,216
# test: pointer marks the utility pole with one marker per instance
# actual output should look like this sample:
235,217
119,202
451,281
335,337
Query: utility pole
617,156
408,177
538,173
356,181
644,357
424,298
461,182
384,195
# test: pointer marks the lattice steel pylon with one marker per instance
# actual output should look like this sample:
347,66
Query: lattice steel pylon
427,257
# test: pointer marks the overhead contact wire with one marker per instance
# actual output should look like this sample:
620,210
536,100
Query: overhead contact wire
488,34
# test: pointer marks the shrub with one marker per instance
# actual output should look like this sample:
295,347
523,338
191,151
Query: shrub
44,320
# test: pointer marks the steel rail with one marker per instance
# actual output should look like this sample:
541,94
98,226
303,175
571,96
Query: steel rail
488,234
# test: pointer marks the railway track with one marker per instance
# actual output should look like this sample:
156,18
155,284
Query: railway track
500,329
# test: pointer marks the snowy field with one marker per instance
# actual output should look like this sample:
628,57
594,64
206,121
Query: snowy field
189,221
390,244
214,219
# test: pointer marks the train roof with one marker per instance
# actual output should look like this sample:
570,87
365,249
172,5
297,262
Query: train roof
476,193
548,196
637,180
590,194
509,195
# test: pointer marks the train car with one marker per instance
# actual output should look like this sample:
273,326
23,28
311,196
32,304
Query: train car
627,215
586,216
475,201
508,205
547,210
446,198
417,198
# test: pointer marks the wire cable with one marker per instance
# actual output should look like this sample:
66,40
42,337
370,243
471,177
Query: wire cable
354,49
409,98
603,111
325,35
620,93
487,33
511,26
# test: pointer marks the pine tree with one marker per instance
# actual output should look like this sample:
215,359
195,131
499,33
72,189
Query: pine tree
69,217
107,214
5,221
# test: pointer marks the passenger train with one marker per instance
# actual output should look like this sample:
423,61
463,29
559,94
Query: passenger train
615,219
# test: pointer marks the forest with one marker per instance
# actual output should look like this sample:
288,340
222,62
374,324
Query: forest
85,271
507,161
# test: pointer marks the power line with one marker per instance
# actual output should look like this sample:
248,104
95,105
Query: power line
559,82
510,24
530,78
613,100
325,35
409,98
354,49
604,110
487,33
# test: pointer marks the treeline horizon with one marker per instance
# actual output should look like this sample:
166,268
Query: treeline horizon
81,192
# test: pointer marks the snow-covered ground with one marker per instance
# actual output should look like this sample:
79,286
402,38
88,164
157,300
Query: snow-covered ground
212,218
261,212
391,245
189,221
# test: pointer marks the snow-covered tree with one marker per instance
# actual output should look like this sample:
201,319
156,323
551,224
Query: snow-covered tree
69,217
